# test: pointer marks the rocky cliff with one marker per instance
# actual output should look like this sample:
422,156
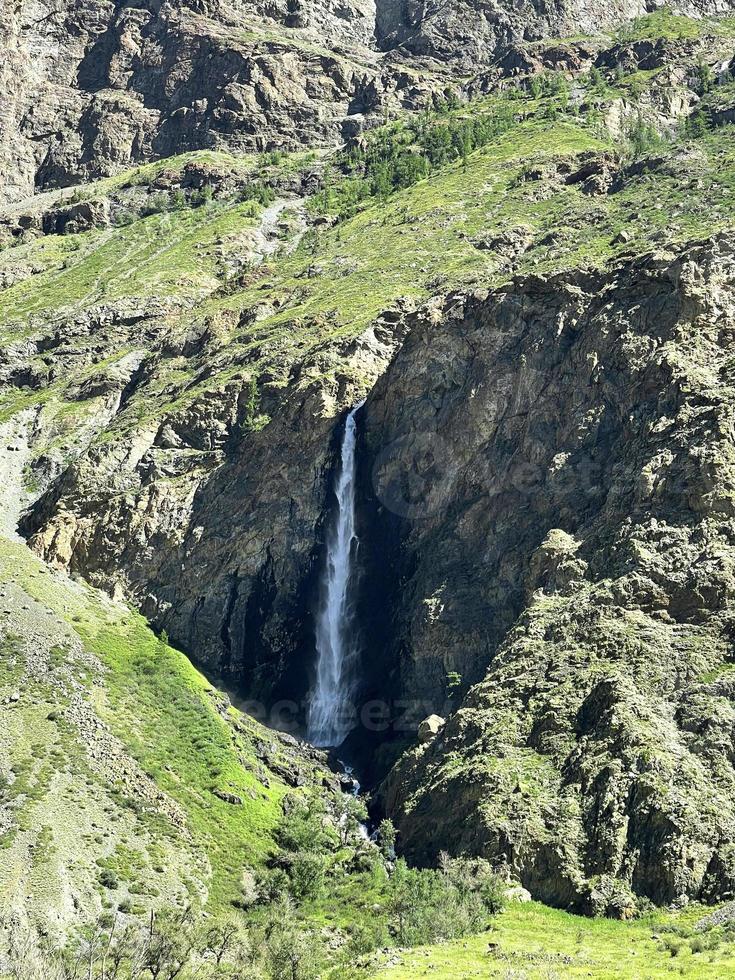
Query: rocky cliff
473,33
590,478
215,523
547,490
92,88
531,285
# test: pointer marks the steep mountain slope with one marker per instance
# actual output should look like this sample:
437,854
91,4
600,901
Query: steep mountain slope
185,502
530,283
91,88
127,779
473,34
592,458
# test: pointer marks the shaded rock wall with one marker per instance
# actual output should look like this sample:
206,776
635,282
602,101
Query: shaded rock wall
211,524
473,33
588,487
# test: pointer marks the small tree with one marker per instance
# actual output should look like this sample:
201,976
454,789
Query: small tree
292,955
290,952
168,945
224,939
351,812
306,872
643,137
697,125
705,78
387,835
306,828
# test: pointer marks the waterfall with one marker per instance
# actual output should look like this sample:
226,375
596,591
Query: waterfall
330,714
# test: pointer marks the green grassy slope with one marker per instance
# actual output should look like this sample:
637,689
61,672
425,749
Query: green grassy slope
535,942
157,830
446,231
421,241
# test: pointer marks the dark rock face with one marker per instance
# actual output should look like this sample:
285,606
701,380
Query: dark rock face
212,526
546,511
478,33
587,491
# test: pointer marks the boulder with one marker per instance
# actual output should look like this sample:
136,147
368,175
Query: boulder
430,728
226,797
517,893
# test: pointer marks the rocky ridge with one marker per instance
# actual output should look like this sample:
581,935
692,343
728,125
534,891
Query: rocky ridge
545,456
474,34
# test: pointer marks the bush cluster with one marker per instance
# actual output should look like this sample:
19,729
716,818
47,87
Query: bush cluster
399,155
272,935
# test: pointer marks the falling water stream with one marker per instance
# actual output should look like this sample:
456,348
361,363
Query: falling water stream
331,712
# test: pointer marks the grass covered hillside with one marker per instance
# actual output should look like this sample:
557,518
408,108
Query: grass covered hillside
536,942
179,344
117,742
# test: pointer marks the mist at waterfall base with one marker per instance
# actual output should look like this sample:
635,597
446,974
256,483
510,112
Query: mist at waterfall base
330,716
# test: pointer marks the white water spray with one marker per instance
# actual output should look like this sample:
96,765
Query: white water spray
331,711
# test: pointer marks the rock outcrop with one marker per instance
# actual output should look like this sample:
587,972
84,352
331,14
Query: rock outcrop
92,88
479,34
577,537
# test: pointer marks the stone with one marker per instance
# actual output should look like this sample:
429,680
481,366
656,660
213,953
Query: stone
232,798
517,893
430,728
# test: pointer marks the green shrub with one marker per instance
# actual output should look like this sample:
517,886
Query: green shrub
306,874
387,835
272,884
305,828
427,905
201,197
156,204
108,879
258,192
643,138
367,937
272,158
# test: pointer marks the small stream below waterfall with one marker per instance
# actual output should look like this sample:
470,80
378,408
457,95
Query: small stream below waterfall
354,790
